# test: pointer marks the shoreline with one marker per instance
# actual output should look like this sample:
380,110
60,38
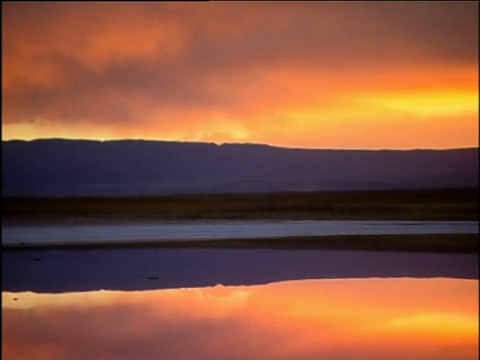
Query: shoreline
441,243
423,204
431,205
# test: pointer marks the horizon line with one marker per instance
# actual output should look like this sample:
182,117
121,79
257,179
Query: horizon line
242,143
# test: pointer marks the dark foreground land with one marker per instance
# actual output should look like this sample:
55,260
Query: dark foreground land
425,205
439,243
434,204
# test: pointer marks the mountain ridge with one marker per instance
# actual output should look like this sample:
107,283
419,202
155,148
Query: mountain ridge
65,167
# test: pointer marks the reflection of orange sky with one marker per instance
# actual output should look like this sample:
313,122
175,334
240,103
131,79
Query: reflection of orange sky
324,75
363,319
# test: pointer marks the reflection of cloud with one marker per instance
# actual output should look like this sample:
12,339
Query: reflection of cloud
444,324
295,319
155,70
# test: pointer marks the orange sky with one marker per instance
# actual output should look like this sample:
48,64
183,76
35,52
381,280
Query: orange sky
373,318
297,74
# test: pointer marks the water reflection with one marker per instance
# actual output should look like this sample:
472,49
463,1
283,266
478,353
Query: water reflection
373,318
144,269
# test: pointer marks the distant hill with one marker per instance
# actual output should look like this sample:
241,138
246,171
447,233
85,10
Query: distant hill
57,167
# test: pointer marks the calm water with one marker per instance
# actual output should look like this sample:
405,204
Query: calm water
401,318
197,230
238,304
55,271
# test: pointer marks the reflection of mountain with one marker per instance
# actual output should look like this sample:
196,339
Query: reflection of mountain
131,167
142,269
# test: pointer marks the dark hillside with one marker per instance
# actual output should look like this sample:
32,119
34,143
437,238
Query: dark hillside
135,167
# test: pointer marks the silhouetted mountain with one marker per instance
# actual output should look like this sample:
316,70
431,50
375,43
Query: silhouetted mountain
135,167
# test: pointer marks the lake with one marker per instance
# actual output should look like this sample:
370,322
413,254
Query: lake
160,303
369,318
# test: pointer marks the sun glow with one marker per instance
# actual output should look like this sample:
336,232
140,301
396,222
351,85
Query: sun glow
434,103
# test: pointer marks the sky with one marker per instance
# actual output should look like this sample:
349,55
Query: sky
366,75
